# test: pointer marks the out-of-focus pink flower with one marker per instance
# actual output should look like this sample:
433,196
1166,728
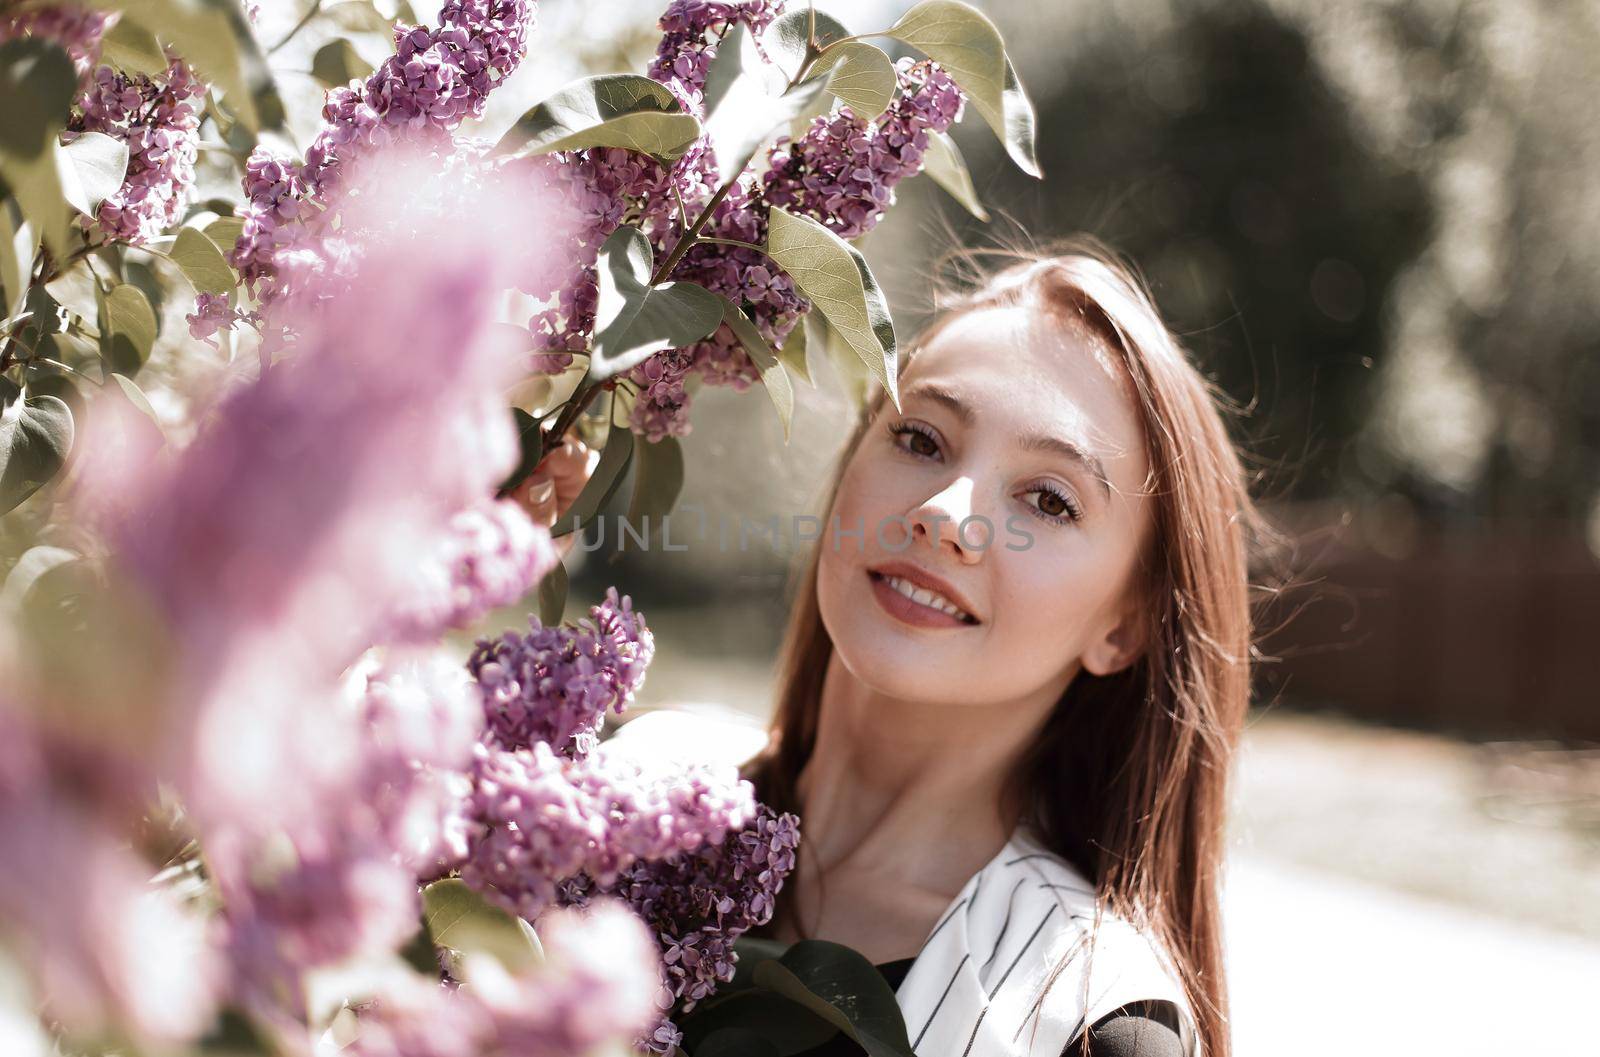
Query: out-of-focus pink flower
105,949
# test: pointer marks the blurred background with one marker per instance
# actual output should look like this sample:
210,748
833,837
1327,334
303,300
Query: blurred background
1377,225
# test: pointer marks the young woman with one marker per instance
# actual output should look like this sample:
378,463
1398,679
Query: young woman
1015,673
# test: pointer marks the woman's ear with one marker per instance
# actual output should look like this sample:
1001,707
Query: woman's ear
1118,646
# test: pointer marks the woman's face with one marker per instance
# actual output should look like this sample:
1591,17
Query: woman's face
1011,487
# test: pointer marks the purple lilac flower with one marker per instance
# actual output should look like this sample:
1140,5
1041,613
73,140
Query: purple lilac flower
843,171
698,902
553,685
437,78
542,819
212,312
492,555
77,29
159,119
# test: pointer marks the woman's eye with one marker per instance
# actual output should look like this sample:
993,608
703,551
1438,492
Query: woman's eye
1054,505
914,439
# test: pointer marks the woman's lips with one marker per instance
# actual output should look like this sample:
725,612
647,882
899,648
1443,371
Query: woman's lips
914,613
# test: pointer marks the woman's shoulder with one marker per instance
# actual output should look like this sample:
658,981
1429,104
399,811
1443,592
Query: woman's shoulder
1041,944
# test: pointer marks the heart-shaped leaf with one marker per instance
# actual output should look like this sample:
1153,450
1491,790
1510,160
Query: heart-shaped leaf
35,438
130,47
337,63
749,100
961,38
861,76
37,82
943,162
797,36
225,232
530,447
92,167
127,329
462,920
834,276
612,110
553,595
202,262
141,403
793,352
842,987
614,460
657,480
773,376
636,320
30,568
19,241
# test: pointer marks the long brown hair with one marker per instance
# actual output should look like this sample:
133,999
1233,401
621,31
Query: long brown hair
1129,779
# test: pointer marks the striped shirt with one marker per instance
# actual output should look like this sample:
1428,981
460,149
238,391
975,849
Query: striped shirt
975,987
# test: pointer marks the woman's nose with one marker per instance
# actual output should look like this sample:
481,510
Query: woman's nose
947,519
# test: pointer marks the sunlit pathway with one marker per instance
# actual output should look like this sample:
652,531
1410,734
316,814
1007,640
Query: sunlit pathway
1324,965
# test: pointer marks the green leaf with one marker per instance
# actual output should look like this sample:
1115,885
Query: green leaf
749,100
943,162
357,15
132,48
530,443
35,183
736,1042
34,563
792,354
35,438
835,278
337,63
127,329
798,35
776,1020
37,82
19,241
614,460
553,595
136,397
961,38
657,479
636,320
225,232
849,371
862,77
612,110
842,987
92,167
202,262
462,920
773,376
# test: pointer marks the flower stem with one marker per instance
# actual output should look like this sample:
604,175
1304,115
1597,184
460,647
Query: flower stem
692,235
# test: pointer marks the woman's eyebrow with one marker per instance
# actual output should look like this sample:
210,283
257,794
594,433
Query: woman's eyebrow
1068,449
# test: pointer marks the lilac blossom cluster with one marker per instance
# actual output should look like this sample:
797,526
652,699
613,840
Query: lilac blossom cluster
597,986
437,78
554,685
213,313
698,902
77,29
159,119
492,555
540,819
